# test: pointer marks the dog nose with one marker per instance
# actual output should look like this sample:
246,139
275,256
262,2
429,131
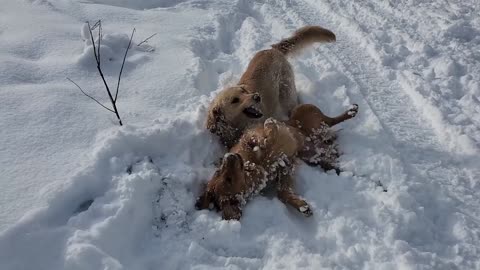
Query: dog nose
257,98
229,159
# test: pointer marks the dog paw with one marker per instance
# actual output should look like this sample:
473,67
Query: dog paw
305,210
200,204
353,110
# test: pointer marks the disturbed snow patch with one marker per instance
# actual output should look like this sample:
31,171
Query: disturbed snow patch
105,213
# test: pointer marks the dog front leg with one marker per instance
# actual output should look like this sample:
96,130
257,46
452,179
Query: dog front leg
329,166
230,212
286,195
204,201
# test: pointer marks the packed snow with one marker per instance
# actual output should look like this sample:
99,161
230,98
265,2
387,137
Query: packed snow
81,192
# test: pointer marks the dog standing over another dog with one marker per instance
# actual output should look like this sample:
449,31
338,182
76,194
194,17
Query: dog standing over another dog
266,89
260,122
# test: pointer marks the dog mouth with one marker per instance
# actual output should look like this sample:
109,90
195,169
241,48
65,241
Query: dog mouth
252,112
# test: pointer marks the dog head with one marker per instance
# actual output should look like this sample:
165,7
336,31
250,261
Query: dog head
279,139
232,111
258,141
225,187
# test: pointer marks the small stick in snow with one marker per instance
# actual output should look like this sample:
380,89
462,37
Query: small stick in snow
95,25
96,54
78,86
99,38
123,63
145,40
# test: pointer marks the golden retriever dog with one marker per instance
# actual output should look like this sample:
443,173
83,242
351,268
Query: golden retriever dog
266,89
266,154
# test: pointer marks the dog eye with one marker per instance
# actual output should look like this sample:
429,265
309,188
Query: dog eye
235,100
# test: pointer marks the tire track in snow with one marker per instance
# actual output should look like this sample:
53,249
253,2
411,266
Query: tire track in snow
414,137
431,56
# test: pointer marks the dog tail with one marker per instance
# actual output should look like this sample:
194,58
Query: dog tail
304,37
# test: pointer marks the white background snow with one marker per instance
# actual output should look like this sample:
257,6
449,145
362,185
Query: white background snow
412,66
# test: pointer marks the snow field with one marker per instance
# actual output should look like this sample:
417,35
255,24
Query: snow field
47,124
415,135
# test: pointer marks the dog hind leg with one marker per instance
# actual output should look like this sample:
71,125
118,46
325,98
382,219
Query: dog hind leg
332,121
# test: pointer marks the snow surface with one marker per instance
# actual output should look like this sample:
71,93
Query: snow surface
79,192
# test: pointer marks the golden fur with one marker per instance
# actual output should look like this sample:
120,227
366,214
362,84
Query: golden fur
266,154
319,147
266,89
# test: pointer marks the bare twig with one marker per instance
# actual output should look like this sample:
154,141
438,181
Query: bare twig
89,95
96,54
95,25
145,40
93,42
99,38
123,63
103,77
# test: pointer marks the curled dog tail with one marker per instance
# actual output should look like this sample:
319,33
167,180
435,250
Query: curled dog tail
304,37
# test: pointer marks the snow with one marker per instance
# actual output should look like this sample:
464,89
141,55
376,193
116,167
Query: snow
80,192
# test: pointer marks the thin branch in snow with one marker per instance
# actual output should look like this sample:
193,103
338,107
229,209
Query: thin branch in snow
93,43
99,39
96,54
78,86
103,78
145,40
123,63
95,25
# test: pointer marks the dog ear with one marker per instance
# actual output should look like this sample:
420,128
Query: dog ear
212,119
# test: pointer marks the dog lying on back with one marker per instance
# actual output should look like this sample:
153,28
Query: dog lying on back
266,154
266,89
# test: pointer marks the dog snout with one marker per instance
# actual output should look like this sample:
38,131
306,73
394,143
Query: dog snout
257,98
230,160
